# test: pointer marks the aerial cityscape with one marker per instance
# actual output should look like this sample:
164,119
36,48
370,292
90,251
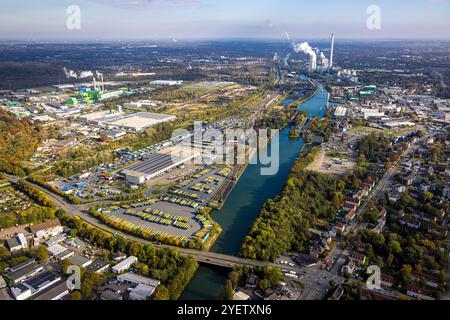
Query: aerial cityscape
224,151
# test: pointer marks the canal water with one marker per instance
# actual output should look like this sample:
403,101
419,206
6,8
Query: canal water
245,202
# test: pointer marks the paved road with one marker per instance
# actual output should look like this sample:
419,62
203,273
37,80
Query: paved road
381,186
205,257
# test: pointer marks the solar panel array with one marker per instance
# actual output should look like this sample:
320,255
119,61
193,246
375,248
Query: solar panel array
41,280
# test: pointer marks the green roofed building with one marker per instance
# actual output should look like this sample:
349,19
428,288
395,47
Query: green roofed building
72,101
365,94
369,88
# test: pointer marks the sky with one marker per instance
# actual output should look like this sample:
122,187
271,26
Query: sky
224,19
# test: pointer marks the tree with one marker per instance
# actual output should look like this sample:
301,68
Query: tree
76,295
3,252
161,293
263,284
390,260
73,233
405,272
65,264
42,254
427,196
395,247
228,291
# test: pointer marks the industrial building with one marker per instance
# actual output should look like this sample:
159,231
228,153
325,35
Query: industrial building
35,285
100,116
55,293
340,112
143,287
154,165
23,271
372,113
140,121
134,122
124,265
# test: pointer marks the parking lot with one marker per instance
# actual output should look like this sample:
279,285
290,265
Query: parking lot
174,209
202,186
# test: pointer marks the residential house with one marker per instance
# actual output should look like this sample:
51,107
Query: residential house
419,293
358,257
387,280
251,281
14,244
349,217
349,267
428,280
409,222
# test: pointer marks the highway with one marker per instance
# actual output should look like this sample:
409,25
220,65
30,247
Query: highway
204,257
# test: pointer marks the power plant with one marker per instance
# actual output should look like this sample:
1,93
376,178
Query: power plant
312,63
325,64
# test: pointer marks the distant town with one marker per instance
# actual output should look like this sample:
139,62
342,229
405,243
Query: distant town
93,178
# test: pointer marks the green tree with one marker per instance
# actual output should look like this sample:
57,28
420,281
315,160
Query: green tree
76,295
228,291
405,272
161,293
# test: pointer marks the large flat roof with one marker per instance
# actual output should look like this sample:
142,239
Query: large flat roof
54,292
24,271
141,120
154,163
42,280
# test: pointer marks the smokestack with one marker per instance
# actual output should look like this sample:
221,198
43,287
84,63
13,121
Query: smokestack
313,63
306,48
95,84
332,51
103,84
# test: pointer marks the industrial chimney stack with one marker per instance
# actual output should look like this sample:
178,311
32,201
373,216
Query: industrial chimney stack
332,51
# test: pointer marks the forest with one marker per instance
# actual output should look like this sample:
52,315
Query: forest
18,141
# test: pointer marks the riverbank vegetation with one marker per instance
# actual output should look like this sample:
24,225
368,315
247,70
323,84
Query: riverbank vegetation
324,127
267,278
283,222
276,118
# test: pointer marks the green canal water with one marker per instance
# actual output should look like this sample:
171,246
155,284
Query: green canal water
245,202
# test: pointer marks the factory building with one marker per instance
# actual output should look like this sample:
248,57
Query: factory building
140,121
134,122
154,165
35,285
124,265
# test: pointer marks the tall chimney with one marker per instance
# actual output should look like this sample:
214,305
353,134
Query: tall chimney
332,51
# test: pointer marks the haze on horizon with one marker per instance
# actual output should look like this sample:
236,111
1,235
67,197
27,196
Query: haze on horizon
216,19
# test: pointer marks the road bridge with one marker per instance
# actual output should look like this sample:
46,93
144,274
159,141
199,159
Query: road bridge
203,257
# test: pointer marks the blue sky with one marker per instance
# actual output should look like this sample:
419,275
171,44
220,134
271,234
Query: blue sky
151,19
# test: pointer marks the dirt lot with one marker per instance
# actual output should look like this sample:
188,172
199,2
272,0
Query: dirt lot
331,162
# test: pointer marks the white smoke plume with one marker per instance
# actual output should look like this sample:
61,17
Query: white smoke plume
81,75
70,73
324,60
86,74
305,48
287,35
